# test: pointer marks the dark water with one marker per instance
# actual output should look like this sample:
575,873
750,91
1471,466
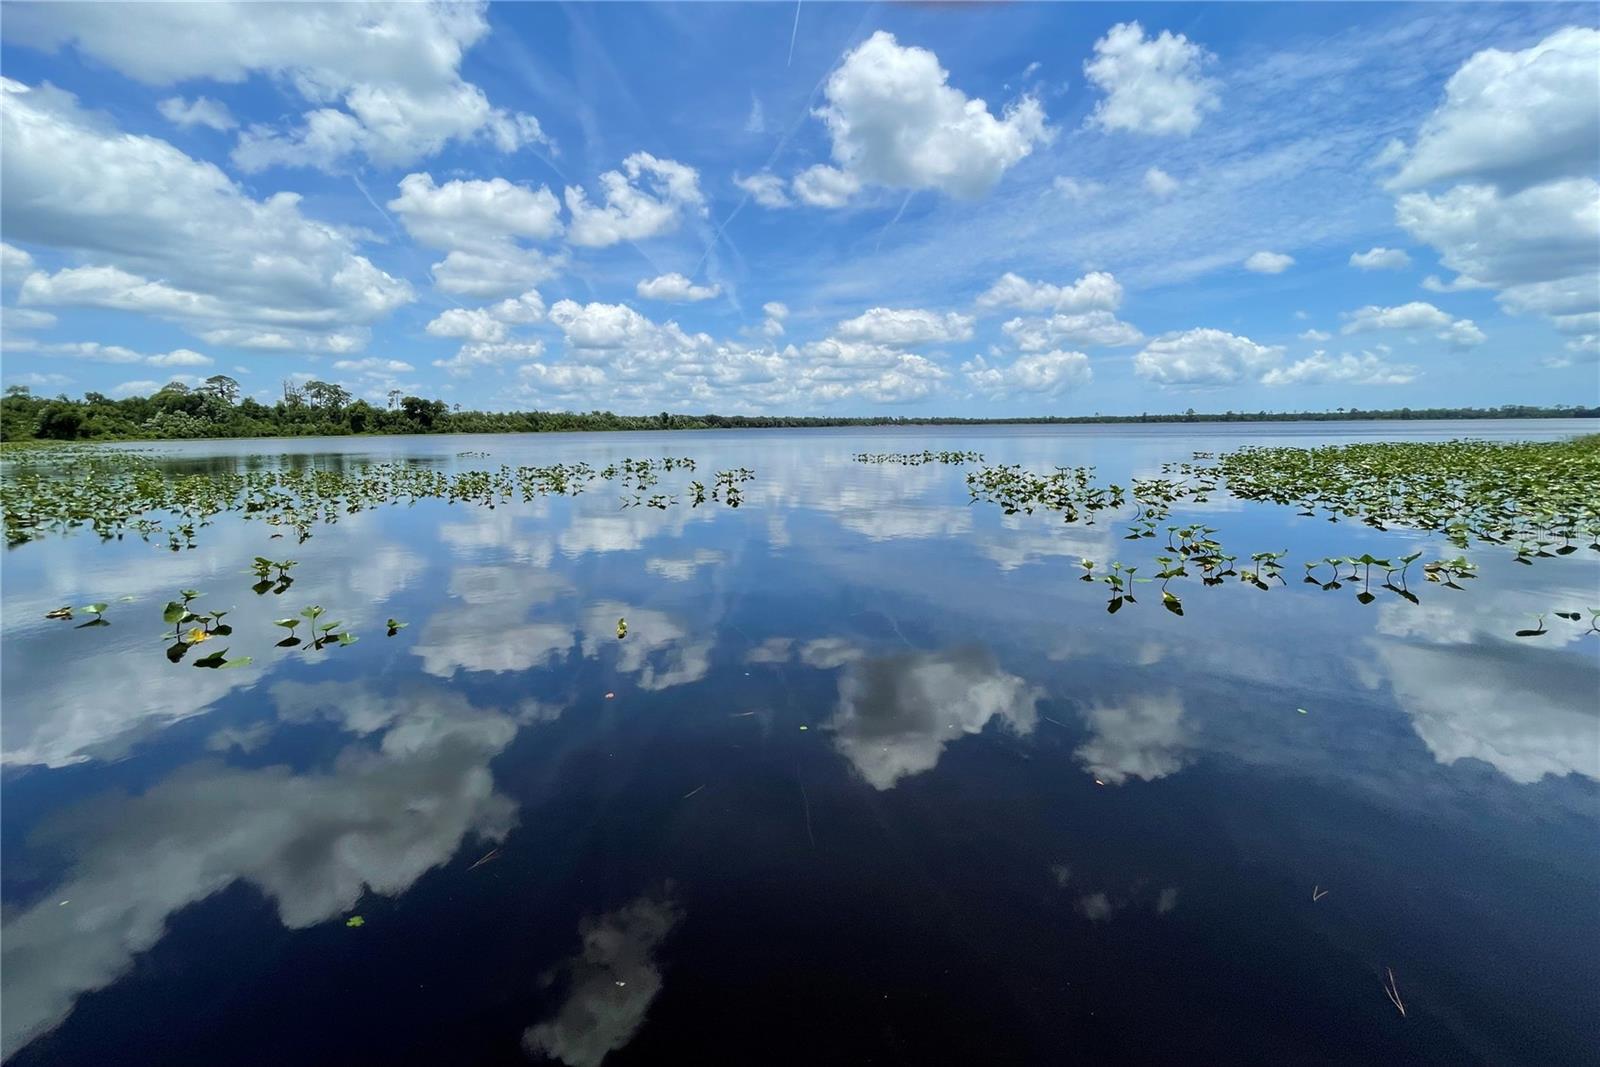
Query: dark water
873,778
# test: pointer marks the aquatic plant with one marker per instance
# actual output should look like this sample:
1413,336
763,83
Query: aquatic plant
114,492
288,624
98,611
1537,631
914,459
1542,499
325,633
219,660
263,567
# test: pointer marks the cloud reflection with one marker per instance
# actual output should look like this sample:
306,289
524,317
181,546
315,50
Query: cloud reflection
1141,737
379,818
896,713
658,648
490,629
612,981
1528,714
1529,708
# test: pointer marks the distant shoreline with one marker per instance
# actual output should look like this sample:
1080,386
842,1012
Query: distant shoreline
198,415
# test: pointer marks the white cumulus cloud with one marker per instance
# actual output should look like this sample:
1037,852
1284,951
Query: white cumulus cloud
1268,262
648,197
1514,118
1322,369
172,236
201,111
824,186
896,121
1380,258
1039,374
765,188
1518,134
1153,85
1202,357
1417,315
1097,290
1159,183
908,326
1096,328
675,288
379,81
478,224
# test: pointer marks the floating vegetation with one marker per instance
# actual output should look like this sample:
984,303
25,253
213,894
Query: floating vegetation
395,626
622,629
1542,499
1069,490
325,633
98,611
916,459
114,492
726,486
263,568
219,661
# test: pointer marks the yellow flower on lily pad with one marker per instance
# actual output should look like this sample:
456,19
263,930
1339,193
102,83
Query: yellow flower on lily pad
196,635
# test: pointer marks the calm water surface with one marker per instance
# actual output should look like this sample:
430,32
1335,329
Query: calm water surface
872,778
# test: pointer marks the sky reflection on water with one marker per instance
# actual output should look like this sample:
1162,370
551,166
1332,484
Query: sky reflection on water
872,775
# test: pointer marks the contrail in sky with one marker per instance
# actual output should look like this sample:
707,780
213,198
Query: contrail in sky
792,33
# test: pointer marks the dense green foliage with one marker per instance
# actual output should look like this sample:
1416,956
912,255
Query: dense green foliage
215,409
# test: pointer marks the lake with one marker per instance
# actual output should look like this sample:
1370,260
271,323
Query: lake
871,777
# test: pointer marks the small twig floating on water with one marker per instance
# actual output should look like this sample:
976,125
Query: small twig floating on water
492,854
1393,992
693,791
1317,893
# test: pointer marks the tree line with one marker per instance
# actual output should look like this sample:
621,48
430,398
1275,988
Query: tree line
215,408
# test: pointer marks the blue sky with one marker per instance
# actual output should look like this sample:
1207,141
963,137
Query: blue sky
827,208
